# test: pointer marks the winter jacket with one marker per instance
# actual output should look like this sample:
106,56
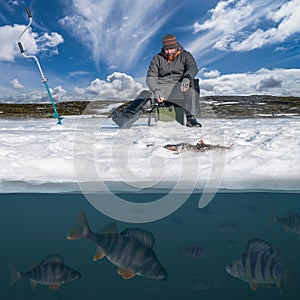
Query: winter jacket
162,71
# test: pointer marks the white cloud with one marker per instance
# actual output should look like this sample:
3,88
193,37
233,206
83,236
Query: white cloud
287,17
122,87
76,74
209,73
116,32
277,82
14,2
57,93
117,86
16,84
50,41
227,17
241,25
9,37
31,41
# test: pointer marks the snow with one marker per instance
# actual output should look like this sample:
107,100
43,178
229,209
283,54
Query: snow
91,153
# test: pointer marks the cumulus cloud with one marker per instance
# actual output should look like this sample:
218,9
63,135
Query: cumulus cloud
117,86
32,42
122,87
268,83
16,84
204,72
277,82
116,32
241,25
49,42
57,93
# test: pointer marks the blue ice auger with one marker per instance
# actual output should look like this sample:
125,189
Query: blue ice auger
44,80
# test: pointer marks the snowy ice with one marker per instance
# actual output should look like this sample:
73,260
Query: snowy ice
38,155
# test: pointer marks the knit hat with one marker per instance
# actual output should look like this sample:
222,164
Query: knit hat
169,41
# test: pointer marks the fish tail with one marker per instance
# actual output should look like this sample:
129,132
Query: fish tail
15,275
81,228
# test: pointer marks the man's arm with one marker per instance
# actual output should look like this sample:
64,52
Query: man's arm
191,68
151,80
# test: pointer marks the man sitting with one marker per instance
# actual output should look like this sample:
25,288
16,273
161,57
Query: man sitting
171,80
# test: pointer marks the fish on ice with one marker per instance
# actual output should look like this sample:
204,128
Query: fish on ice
199,147
51,272
258,265
131,250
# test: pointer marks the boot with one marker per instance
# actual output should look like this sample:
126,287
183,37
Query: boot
191,121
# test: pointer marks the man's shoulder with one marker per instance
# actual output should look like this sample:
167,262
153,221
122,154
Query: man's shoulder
157,57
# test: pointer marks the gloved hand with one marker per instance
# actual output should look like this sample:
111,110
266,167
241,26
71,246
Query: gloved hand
185,84
159,96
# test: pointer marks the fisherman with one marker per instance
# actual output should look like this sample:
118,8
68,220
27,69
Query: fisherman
171,80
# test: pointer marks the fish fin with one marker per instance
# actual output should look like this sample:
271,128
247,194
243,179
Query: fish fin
171,147
278,284
257,245
253,286
54,286
126,274
81,228
144,236
15,275
99,254
285,228
56,258
33,284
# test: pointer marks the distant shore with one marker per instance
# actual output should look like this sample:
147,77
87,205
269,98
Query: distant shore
220,106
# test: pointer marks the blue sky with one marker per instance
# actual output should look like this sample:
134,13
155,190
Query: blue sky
93,50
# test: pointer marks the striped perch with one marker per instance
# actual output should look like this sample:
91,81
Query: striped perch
258,265
291,222
51,271
131,250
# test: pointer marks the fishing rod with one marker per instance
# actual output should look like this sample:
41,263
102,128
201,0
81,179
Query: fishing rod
44,80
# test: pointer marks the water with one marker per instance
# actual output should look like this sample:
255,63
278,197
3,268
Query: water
35,225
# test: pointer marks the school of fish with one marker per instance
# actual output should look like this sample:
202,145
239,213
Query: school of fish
132,252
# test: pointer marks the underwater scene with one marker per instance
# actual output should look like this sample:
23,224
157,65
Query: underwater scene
243,245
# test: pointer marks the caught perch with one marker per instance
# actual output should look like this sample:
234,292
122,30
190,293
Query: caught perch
199,147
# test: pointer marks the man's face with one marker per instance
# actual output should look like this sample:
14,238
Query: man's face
171,51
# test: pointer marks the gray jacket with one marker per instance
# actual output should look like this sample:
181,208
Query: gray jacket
161,71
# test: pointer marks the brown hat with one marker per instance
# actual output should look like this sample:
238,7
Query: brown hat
169,41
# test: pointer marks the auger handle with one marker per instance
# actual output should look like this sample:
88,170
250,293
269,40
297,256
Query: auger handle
28,12
21,47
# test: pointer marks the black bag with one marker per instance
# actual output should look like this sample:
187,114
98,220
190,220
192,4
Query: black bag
139,106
